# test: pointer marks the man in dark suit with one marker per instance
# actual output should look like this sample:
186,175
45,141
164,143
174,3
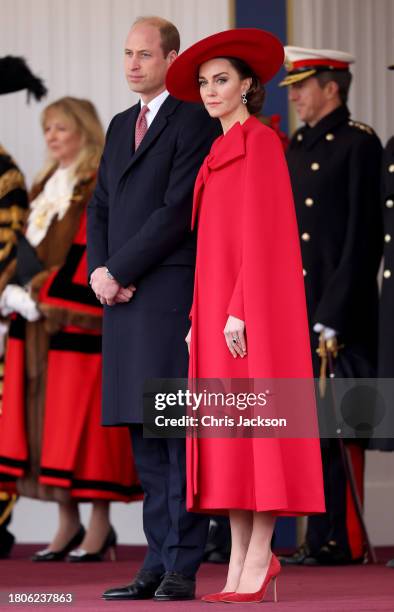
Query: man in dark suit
334,165
141,263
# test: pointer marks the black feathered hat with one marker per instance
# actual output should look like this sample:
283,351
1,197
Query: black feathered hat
15,75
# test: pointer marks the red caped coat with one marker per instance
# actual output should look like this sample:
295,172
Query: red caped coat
249,266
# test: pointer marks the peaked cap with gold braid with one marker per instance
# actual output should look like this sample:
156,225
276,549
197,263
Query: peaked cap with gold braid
302,63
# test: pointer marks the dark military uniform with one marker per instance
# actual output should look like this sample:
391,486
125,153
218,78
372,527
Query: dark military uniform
335,174
13,210
386,314
386,318
386,323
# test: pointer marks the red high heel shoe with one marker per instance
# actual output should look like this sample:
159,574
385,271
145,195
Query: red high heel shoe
272,574
215,597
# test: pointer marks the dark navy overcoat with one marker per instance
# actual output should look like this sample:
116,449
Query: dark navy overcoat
139,227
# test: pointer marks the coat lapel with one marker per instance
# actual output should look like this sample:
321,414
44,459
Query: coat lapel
125,148
154,131
225,150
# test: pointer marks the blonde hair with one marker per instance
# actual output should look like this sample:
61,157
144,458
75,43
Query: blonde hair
83,114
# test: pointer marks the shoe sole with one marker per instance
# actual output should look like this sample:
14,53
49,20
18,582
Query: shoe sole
125,598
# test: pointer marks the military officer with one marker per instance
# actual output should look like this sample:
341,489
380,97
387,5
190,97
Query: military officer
334,164
386,319
386,336
15,75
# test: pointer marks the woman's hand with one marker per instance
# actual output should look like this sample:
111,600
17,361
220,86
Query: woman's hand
188,339
234,333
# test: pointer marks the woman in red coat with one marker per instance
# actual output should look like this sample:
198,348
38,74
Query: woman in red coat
248,316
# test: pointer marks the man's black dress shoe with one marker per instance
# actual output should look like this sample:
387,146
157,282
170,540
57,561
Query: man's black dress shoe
302,556
328,555
50,555
174,587
332,554
143,586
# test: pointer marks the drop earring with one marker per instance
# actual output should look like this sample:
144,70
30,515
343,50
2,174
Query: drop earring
244,98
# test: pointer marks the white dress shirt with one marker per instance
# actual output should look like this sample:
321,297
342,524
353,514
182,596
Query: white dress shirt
154,106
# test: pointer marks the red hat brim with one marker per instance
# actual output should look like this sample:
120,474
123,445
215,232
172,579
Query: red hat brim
261,50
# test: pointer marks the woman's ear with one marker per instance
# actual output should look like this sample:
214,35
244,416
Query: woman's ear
248,84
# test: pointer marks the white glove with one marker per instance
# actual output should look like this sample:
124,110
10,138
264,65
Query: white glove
16,299
328,332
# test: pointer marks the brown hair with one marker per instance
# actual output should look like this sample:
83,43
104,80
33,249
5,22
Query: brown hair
256,92
342,78
83,114
170,39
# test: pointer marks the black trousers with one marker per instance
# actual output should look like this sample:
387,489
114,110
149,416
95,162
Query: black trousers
176,538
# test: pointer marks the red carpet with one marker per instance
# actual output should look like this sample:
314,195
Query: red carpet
364,588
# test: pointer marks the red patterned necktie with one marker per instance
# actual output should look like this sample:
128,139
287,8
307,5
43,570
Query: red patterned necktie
141,127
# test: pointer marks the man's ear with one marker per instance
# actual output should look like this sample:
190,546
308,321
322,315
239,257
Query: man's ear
171,56
332,89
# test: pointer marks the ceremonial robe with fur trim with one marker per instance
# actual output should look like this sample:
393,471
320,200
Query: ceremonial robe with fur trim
13,210
52,443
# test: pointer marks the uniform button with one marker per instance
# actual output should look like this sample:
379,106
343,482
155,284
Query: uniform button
305,237
299,137
330,136
315,166
391,168
304,272
387,238
387,273
389,203
309,202
351,122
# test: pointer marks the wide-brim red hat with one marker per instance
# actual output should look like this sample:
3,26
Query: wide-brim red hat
261,50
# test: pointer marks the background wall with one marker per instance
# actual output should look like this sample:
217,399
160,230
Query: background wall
269,15
77,47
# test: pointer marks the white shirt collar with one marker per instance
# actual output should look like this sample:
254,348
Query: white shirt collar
154,106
